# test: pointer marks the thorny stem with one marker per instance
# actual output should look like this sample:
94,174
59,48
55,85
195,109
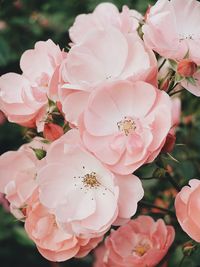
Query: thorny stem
149,205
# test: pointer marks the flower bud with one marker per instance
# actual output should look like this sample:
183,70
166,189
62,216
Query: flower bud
52,131
186,68
188,248
169,143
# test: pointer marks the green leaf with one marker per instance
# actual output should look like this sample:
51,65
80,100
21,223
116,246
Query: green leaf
178,78
191,80
21,236
173,64
40,153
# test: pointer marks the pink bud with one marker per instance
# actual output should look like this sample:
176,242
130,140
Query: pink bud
186,68
169,143
52,131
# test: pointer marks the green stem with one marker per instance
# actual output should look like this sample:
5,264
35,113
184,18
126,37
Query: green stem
148,178
176,92
163,63
173,182
149,205
182,260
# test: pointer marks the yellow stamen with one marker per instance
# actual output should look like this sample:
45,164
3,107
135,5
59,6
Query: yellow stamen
140,249
127,125
90,180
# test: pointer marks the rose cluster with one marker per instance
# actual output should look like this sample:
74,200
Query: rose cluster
101,110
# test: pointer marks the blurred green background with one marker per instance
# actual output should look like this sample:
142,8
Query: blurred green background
24,22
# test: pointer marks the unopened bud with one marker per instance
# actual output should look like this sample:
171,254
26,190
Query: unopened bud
187,68
188,248
169,143
52,131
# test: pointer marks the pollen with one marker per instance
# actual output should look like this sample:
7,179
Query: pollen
141,249
127,125
90,180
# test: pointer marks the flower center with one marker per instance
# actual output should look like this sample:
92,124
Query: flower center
188,36
141,249
90,180
127,125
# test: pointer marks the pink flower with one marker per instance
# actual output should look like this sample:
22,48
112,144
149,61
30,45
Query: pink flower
23,98
140,243
125,124
52,241
104,15
92,62
101,256
18,175
193,88
176,111
172,30
187,209
85,197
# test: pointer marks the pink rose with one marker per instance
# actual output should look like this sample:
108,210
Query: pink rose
92,63
85,197
23,98
125,124
140,243
187,209
193,88
101,256
18,175
173,31
104,15
52,241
